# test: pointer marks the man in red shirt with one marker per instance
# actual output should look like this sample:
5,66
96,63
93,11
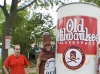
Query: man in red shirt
16,63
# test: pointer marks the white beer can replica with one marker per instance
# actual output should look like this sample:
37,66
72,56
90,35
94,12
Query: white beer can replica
78,29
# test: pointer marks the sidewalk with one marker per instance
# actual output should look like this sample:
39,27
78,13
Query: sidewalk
32,70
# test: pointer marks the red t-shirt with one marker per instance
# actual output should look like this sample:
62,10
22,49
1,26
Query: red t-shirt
16,64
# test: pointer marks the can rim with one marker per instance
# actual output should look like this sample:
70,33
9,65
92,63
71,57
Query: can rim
77,3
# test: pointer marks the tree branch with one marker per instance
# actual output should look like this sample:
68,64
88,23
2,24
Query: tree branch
26,6
5,10
4,3
14,6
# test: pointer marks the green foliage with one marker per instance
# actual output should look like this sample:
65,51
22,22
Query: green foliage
20,29
27,28
26,31
97,2
94,1
2,20
88,0
19,33
43,23
40,3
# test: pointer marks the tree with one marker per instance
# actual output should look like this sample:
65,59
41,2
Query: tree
17,6
18,32
23,28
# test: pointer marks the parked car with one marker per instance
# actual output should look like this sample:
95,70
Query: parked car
33,54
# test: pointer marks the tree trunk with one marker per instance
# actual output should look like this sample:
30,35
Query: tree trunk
5,51
6,32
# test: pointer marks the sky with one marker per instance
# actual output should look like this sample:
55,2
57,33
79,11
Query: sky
52,11
8,1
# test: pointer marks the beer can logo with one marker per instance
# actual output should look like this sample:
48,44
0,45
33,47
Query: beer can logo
79,31
73,57
77,39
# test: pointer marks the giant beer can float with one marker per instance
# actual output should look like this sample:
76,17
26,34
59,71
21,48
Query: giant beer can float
78,29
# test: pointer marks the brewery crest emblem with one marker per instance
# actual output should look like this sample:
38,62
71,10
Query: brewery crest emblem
73,58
